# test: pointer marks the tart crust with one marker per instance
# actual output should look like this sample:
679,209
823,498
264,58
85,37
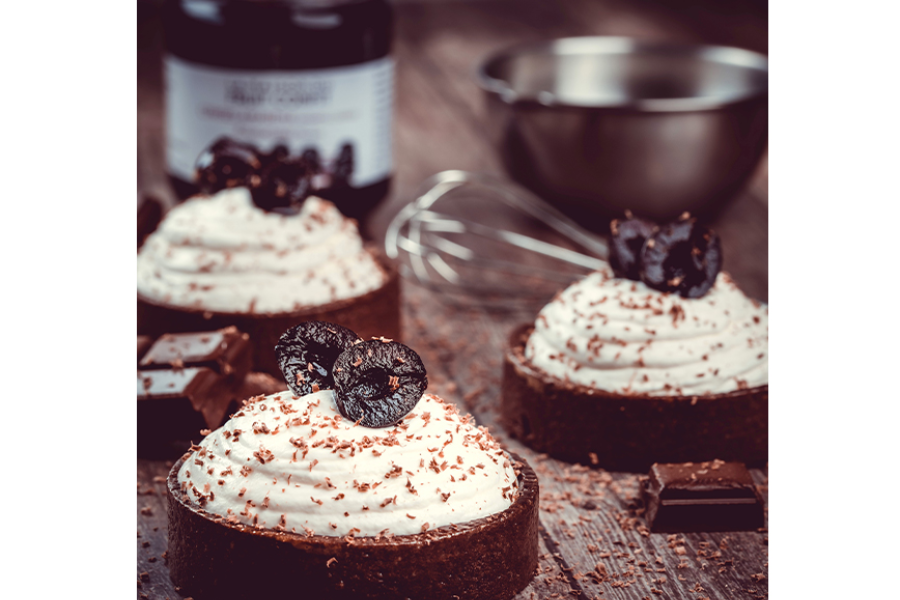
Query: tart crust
375,313
491,558
581,424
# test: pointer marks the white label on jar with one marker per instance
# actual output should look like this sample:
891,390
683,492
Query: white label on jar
325,109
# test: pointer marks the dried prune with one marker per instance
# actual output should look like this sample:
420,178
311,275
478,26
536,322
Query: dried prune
283,184
312,159
378,382
278,154
226,163
343,167
683,257
626,241
306,354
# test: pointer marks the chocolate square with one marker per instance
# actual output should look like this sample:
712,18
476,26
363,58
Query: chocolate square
704,496
186,383
225,351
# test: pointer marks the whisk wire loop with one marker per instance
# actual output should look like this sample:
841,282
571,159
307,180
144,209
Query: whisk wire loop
419,239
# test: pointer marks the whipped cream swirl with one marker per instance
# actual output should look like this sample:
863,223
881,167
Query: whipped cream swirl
222,253
294,464
621,336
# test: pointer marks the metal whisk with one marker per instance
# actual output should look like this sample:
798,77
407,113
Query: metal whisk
444,241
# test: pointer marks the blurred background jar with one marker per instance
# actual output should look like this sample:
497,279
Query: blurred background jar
313,75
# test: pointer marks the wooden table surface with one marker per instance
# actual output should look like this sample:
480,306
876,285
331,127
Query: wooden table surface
594,542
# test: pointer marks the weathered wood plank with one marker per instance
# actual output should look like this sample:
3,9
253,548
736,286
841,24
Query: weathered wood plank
151,534
153,574
593,516
585,514
589,517
440,108
743,226
439,116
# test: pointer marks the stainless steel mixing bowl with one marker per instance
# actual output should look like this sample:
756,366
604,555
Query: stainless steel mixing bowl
598,125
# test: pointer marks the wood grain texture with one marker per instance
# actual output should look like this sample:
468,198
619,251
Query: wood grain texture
440,114
588,517
447,40
593,516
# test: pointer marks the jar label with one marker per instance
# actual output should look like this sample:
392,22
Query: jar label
322,109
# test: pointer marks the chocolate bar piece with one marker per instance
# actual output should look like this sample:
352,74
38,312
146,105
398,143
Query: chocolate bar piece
187,382
705,496
226,351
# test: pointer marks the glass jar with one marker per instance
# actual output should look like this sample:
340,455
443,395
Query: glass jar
313,75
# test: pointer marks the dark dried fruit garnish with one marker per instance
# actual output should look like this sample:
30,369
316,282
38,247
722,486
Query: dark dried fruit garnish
378,382
225,164
277,154
306,354
312,159
283,184
625,246
683,257
343,167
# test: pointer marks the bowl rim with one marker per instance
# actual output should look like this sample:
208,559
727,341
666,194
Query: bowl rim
613,45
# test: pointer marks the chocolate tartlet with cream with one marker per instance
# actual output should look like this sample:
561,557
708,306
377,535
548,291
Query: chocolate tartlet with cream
659,358
259,252
355,484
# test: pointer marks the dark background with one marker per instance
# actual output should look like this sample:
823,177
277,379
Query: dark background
439,111
592,544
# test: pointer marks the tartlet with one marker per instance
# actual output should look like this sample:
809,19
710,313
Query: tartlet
488,558
220,261
215,552
615,400
587,425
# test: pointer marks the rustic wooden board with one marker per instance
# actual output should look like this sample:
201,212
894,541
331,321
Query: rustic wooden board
588,517
153,575
593,517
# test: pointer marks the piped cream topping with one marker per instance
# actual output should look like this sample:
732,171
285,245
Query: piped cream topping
222,253
294,464
621,336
